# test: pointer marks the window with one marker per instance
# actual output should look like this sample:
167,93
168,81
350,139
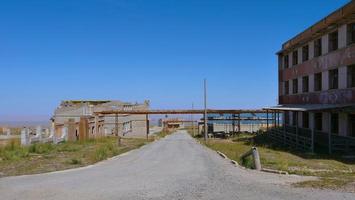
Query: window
286,61
305,52
318,47
305,119
295,86
305,84
295,57
318,82
318,121
351,125
351,76
287,87
351,33
333,41
334,125
294,118
333,79
287,118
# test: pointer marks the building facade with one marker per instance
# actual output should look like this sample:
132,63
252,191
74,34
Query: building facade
317,82
80,121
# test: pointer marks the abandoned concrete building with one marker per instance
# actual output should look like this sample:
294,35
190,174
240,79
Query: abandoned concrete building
79,120
317,85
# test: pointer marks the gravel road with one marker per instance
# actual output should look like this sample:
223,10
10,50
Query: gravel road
176,167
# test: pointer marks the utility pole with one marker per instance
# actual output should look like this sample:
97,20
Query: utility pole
205,125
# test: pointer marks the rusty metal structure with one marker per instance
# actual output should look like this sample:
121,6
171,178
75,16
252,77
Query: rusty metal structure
317,86
146,113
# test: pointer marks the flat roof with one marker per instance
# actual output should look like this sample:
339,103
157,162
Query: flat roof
310,107
338,17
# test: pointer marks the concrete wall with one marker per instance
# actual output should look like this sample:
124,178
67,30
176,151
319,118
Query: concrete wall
342,77
311,49
325,41
325,80
325,122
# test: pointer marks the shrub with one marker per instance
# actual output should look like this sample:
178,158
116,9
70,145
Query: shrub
75,161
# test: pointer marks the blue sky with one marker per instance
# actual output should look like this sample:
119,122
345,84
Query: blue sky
134,50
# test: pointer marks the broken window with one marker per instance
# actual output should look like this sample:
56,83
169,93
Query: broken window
334,125
333,79
318,121
351,76
295,86
305,84
318,82
351,33
294,118
286,61
305,119
333,41
318,47
287,88
351,125
305,52
295,57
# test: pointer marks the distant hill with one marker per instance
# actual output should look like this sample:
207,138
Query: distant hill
15,124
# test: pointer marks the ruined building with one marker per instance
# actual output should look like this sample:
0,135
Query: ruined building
78,119
317,85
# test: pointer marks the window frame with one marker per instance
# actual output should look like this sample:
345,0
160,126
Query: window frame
333,41
333,79
305,79
294,83
305,56
350,72
318,125
317,43
334,125
295,55
316,84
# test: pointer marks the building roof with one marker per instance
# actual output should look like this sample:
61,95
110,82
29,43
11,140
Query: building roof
338,17
313,107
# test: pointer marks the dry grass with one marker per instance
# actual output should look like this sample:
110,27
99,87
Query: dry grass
40,158
334,173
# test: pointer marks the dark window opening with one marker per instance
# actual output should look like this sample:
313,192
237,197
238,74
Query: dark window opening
351,76
287,118
286,61
333,79
305,119
352,125
305,84
295,58
351,33
318,82
287,87
294,118
295,86
318,47
305,53
318,121
333,41
334,125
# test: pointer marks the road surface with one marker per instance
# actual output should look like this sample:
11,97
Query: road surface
176,167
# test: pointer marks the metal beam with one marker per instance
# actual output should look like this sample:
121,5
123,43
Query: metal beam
172,112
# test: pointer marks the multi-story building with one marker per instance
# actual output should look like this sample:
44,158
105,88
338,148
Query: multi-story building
317,83
79,120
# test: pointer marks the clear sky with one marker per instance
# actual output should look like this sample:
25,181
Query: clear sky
134,50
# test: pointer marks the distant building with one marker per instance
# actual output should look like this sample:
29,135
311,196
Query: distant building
317,83
172,123
78,118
